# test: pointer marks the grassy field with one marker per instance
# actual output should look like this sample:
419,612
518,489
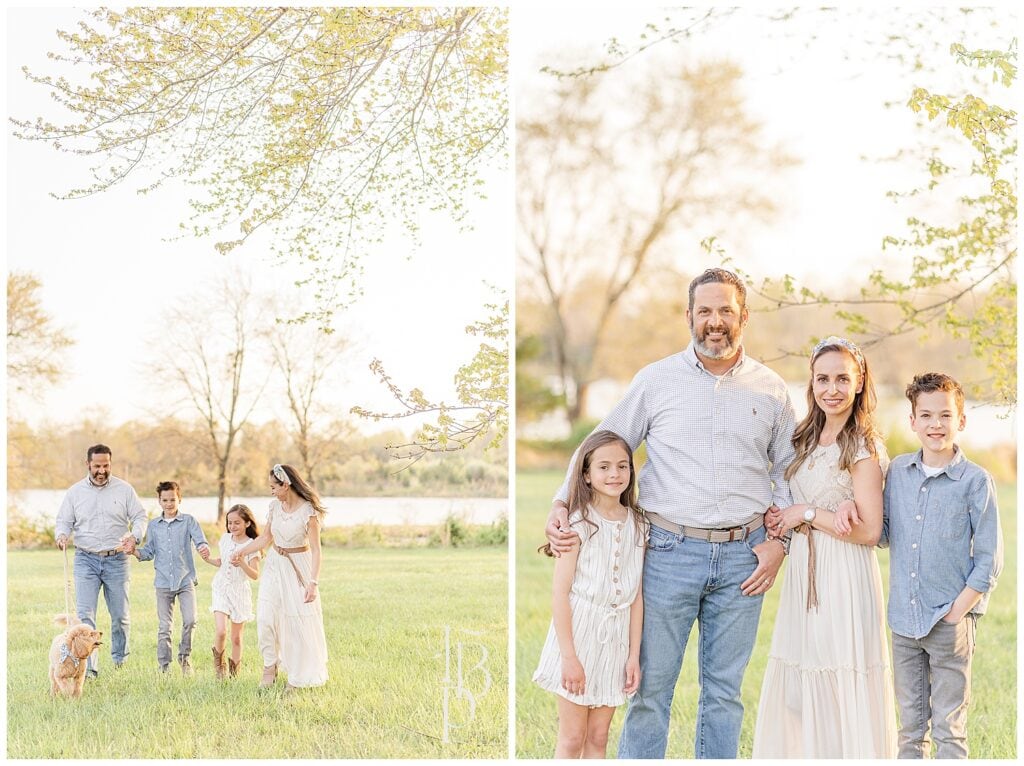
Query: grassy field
993,714
385,613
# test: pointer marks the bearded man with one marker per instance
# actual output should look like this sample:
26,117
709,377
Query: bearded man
718,428
107,520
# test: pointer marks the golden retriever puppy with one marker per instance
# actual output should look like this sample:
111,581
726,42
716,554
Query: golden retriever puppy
68,655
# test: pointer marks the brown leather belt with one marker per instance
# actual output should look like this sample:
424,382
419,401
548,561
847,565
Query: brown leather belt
710,535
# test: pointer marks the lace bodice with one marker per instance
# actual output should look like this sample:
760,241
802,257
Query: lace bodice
289,529
820,482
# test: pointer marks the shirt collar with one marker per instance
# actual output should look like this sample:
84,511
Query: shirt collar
690,356
954,469
161,517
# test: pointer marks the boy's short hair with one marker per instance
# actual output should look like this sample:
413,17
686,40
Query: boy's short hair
164,486
934,381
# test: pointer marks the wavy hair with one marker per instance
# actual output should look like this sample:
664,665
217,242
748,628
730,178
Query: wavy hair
581,493
859,426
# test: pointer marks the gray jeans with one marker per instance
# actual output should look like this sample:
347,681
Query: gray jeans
164,604
932,676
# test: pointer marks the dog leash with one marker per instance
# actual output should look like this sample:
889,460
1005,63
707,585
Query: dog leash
67,588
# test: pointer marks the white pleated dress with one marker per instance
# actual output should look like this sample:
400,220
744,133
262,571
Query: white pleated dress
827,690
608,574
290,631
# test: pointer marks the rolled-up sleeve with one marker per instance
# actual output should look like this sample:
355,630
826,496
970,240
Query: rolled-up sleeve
136,514
196,532
781,454
883,539
65,516
148,551
988,537
629,419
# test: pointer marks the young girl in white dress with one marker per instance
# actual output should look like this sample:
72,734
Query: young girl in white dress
289,620
827,689
232,592
591,659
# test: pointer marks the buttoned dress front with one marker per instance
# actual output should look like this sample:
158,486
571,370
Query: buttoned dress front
232,592
608,572
290,631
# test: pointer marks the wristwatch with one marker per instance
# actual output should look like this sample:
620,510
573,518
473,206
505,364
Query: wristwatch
810,514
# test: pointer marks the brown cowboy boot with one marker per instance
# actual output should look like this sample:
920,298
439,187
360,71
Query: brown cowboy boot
233,667
218,663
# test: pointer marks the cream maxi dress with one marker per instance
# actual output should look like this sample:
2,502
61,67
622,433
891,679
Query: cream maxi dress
290,632
827,689
608,572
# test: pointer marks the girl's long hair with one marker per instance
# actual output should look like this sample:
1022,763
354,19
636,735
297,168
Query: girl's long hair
251,531
303,489
859,426
581,493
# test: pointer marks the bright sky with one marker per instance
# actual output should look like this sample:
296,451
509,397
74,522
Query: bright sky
827,112
109,273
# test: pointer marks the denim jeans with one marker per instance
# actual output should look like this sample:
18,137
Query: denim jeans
164,607
932,677
687,579
112,574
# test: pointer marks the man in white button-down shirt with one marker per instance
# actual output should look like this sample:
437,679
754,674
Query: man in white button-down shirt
107,519
718,428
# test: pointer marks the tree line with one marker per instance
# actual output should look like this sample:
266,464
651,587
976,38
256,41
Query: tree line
52,456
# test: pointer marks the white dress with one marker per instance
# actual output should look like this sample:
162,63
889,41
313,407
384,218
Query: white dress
232,592
827,689
608,573
290,631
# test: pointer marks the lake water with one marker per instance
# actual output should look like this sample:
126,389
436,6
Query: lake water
341,511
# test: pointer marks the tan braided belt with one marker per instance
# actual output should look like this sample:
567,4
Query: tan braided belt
286,552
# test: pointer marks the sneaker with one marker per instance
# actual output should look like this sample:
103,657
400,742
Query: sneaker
164,668
91,675
186,666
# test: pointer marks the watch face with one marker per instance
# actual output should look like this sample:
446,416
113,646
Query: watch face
809,514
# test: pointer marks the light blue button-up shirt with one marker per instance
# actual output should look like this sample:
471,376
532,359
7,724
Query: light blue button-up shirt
100,516
717,446
167,543
943,534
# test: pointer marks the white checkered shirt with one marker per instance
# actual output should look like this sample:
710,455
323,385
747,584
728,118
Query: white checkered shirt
716,446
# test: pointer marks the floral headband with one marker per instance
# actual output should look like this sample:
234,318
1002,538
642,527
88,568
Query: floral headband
835,340
280,474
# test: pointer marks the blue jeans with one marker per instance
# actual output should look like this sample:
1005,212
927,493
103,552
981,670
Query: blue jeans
686,579
112,574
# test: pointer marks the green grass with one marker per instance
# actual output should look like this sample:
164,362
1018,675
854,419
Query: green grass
993,713
384,615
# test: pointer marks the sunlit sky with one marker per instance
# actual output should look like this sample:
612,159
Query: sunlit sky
827,111
109,272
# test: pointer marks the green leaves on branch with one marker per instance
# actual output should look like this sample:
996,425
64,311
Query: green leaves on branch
482,397
326,126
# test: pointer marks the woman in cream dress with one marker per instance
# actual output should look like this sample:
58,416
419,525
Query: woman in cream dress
827,689
289,620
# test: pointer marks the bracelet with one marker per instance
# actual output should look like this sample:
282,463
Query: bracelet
781,541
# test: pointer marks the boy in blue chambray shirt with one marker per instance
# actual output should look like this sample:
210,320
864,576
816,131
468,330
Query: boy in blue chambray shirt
167,543
941,525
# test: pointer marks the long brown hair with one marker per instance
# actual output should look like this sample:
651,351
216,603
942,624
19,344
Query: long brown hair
581,493
301,488
251,530
859,425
